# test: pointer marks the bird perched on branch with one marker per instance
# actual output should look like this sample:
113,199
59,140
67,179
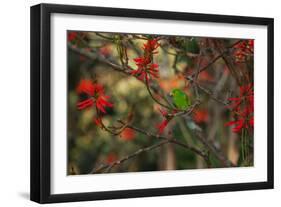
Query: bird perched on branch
180,99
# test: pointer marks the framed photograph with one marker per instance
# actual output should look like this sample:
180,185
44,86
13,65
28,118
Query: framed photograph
133,103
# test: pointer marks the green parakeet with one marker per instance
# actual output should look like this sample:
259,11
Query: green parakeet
180,99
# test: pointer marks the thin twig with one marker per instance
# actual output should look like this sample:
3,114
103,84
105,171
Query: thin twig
152,96
95,56
185,112
123,69
215,59
195,85
214,150
108,167
172,140
103,36
212,95
146,149
206,143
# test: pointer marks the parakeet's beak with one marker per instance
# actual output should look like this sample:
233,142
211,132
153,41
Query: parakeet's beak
170,94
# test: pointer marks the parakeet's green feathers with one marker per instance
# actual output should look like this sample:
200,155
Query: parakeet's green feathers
180,99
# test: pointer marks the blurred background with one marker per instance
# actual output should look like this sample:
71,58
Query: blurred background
178,57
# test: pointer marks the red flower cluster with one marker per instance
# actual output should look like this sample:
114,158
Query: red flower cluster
243,49
243,108
146,69
94,96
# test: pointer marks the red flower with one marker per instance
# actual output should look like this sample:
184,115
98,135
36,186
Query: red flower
239,125
200,116
142,61
102,102
243,49
71,36
85,104
98,121
163,112
243,108
251,121
86,86
94,95
145,71
161,127
246,95
128,134
145,68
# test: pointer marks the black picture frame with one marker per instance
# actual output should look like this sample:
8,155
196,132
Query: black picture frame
41,96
